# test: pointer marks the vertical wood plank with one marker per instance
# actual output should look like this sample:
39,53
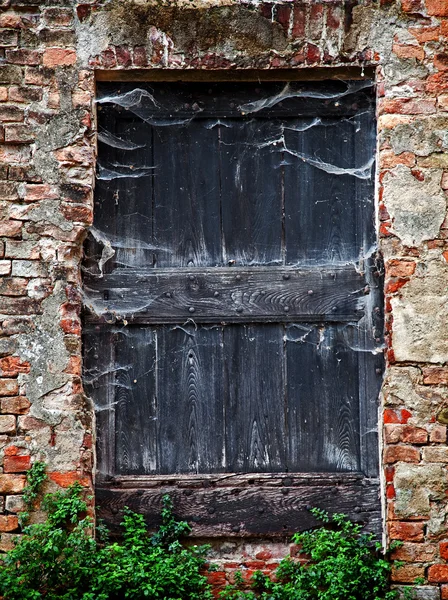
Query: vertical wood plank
99,384
136,407
323,410
190,399
320,213
255,410
251,192
187,195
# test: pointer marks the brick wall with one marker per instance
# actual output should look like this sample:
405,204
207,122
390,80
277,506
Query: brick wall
50,50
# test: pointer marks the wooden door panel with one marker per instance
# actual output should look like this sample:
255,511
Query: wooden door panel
233,301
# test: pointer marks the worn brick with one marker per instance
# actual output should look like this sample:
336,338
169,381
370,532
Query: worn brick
59,17
16,464
18,134
435,454
10,74
65,479
414,552
5,267
9,387
12,484
8,523
7,423
406,531
13,286
25,94
438,574
435,375
16,405
19,306
9,113
8,37
438,434
58,57
407,573
23,57
401,454
28,268
407,106
14,504
437,8
22,249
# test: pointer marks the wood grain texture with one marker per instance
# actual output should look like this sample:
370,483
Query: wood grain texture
232,294
323,405
190,419
249,511
254,407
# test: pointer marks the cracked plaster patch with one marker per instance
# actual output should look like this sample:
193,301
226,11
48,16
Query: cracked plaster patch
421,315
417,208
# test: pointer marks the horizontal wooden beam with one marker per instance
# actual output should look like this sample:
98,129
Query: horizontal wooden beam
302,74
275,506
230,295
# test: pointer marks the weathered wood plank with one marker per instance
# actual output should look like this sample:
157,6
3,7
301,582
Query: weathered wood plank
323,405
251,189
248,512
99,384
187,195
135,400
231,294
190,419
254,409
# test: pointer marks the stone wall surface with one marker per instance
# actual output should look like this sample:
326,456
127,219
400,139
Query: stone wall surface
50,51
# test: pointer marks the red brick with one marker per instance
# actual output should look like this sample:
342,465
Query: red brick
437,8
19,306
438,434
23,57
16,464
407,106
444,592
407,573
140,58
60,17
9,387
77,213
411,6
108,59
57,57
406,531
19,134
8,523
396,416
9,113
13,286
389,160
7,423
425,34
441,61
124,58
435,375
299,22
68,478
34,192
12,484
11,366
437,83
438,574
25,94
400,268
408,51
414,552
394,454
17,405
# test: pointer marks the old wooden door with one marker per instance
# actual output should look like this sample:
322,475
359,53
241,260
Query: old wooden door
233,333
